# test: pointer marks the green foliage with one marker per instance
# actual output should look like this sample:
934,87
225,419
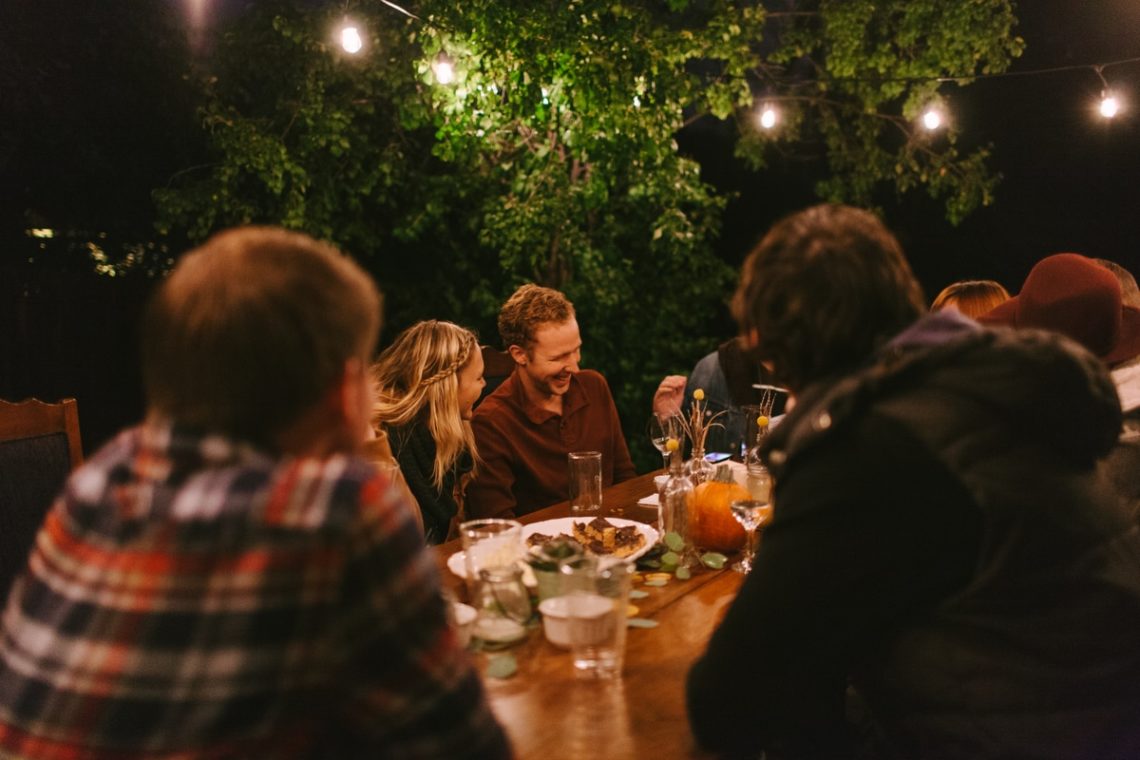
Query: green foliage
872,67
551,156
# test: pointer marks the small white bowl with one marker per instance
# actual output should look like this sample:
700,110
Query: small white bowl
659,481
463,615
593,613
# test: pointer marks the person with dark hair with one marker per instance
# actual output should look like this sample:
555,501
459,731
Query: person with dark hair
971,297
946,563
547,408
729,378
229,579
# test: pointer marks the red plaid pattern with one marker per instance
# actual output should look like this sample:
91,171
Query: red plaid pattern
189,597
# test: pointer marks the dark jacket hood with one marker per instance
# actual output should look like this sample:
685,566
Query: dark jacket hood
1045,387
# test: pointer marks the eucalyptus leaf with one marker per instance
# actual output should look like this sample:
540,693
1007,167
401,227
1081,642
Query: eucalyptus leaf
674,541
637,594
502,666
683,573
656,584
670,558
714,560
641,623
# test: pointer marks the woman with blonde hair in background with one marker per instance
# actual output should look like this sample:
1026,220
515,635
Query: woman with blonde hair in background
427,383
972,298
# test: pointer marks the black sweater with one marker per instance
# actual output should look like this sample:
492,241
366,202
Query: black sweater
414,449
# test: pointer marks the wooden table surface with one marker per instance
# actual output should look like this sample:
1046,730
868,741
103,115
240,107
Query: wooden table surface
550,714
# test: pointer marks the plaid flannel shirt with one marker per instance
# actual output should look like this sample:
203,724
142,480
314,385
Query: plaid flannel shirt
189,597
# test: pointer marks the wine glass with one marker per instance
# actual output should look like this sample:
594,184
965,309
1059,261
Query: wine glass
660,429
750,513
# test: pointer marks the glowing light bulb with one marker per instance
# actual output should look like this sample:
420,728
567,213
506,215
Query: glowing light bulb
351,40
443,68
1109,106
768,117
932,119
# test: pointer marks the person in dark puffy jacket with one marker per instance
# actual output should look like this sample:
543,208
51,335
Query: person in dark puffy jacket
945,553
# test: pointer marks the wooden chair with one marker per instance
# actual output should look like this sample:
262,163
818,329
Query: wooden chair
39,446
497,367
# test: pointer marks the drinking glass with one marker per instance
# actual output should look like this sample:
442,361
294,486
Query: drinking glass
585,481
750,513
660,429
490,543
597,598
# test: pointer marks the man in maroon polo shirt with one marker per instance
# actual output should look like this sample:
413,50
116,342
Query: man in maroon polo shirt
547,408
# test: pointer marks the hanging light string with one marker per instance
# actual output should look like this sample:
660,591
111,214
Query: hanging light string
1095,67
768,117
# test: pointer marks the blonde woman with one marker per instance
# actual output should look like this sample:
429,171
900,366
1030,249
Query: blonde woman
427,383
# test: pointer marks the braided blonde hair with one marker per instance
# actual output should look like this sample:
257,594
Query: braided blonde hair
421,370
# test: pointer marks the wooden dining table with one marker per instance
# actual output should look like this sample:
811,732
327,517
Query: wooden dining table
549,713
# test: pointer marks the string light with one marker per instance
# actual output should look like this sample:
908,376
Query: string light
443,68
768,116
932,119
1109,105
350,39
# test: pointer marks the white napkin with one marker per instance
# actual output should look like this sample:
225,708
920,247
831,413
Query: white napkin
648,501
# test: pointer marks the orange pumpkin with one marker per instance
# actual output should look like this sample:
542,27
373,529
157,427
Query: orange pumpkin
711,524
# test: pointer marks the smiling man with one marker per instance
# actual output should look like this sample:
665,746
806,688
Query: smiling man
547,408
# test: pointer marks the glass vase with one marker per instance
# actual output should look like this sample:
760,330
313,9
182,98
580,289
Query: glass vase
698,469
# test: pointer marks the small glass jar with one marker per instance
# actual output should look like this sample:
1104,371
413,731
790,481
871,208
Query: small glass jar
502,604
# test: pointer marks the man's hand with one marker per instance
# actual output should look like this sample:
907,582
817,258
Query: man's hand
670,393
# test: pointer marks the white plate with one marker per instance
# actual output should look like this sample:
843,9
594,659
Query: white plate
566,525
457,563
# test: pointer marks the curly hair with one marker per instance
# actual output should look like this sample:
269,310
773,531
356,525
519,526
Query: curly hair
419,371
971,297
823,290
528,308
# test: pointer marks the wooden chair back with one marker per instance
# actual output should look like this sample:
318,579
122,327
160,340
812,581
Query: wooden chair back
497,367
39,447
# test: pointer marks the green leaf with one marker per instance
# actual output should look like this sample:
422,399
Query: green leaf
674,541
683,573
641,623
637,594
502,666
670,558
714,560
656,583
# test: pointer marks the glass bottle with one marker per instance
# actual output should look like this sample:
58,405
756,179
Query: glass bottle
759,479
698,469
676,496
